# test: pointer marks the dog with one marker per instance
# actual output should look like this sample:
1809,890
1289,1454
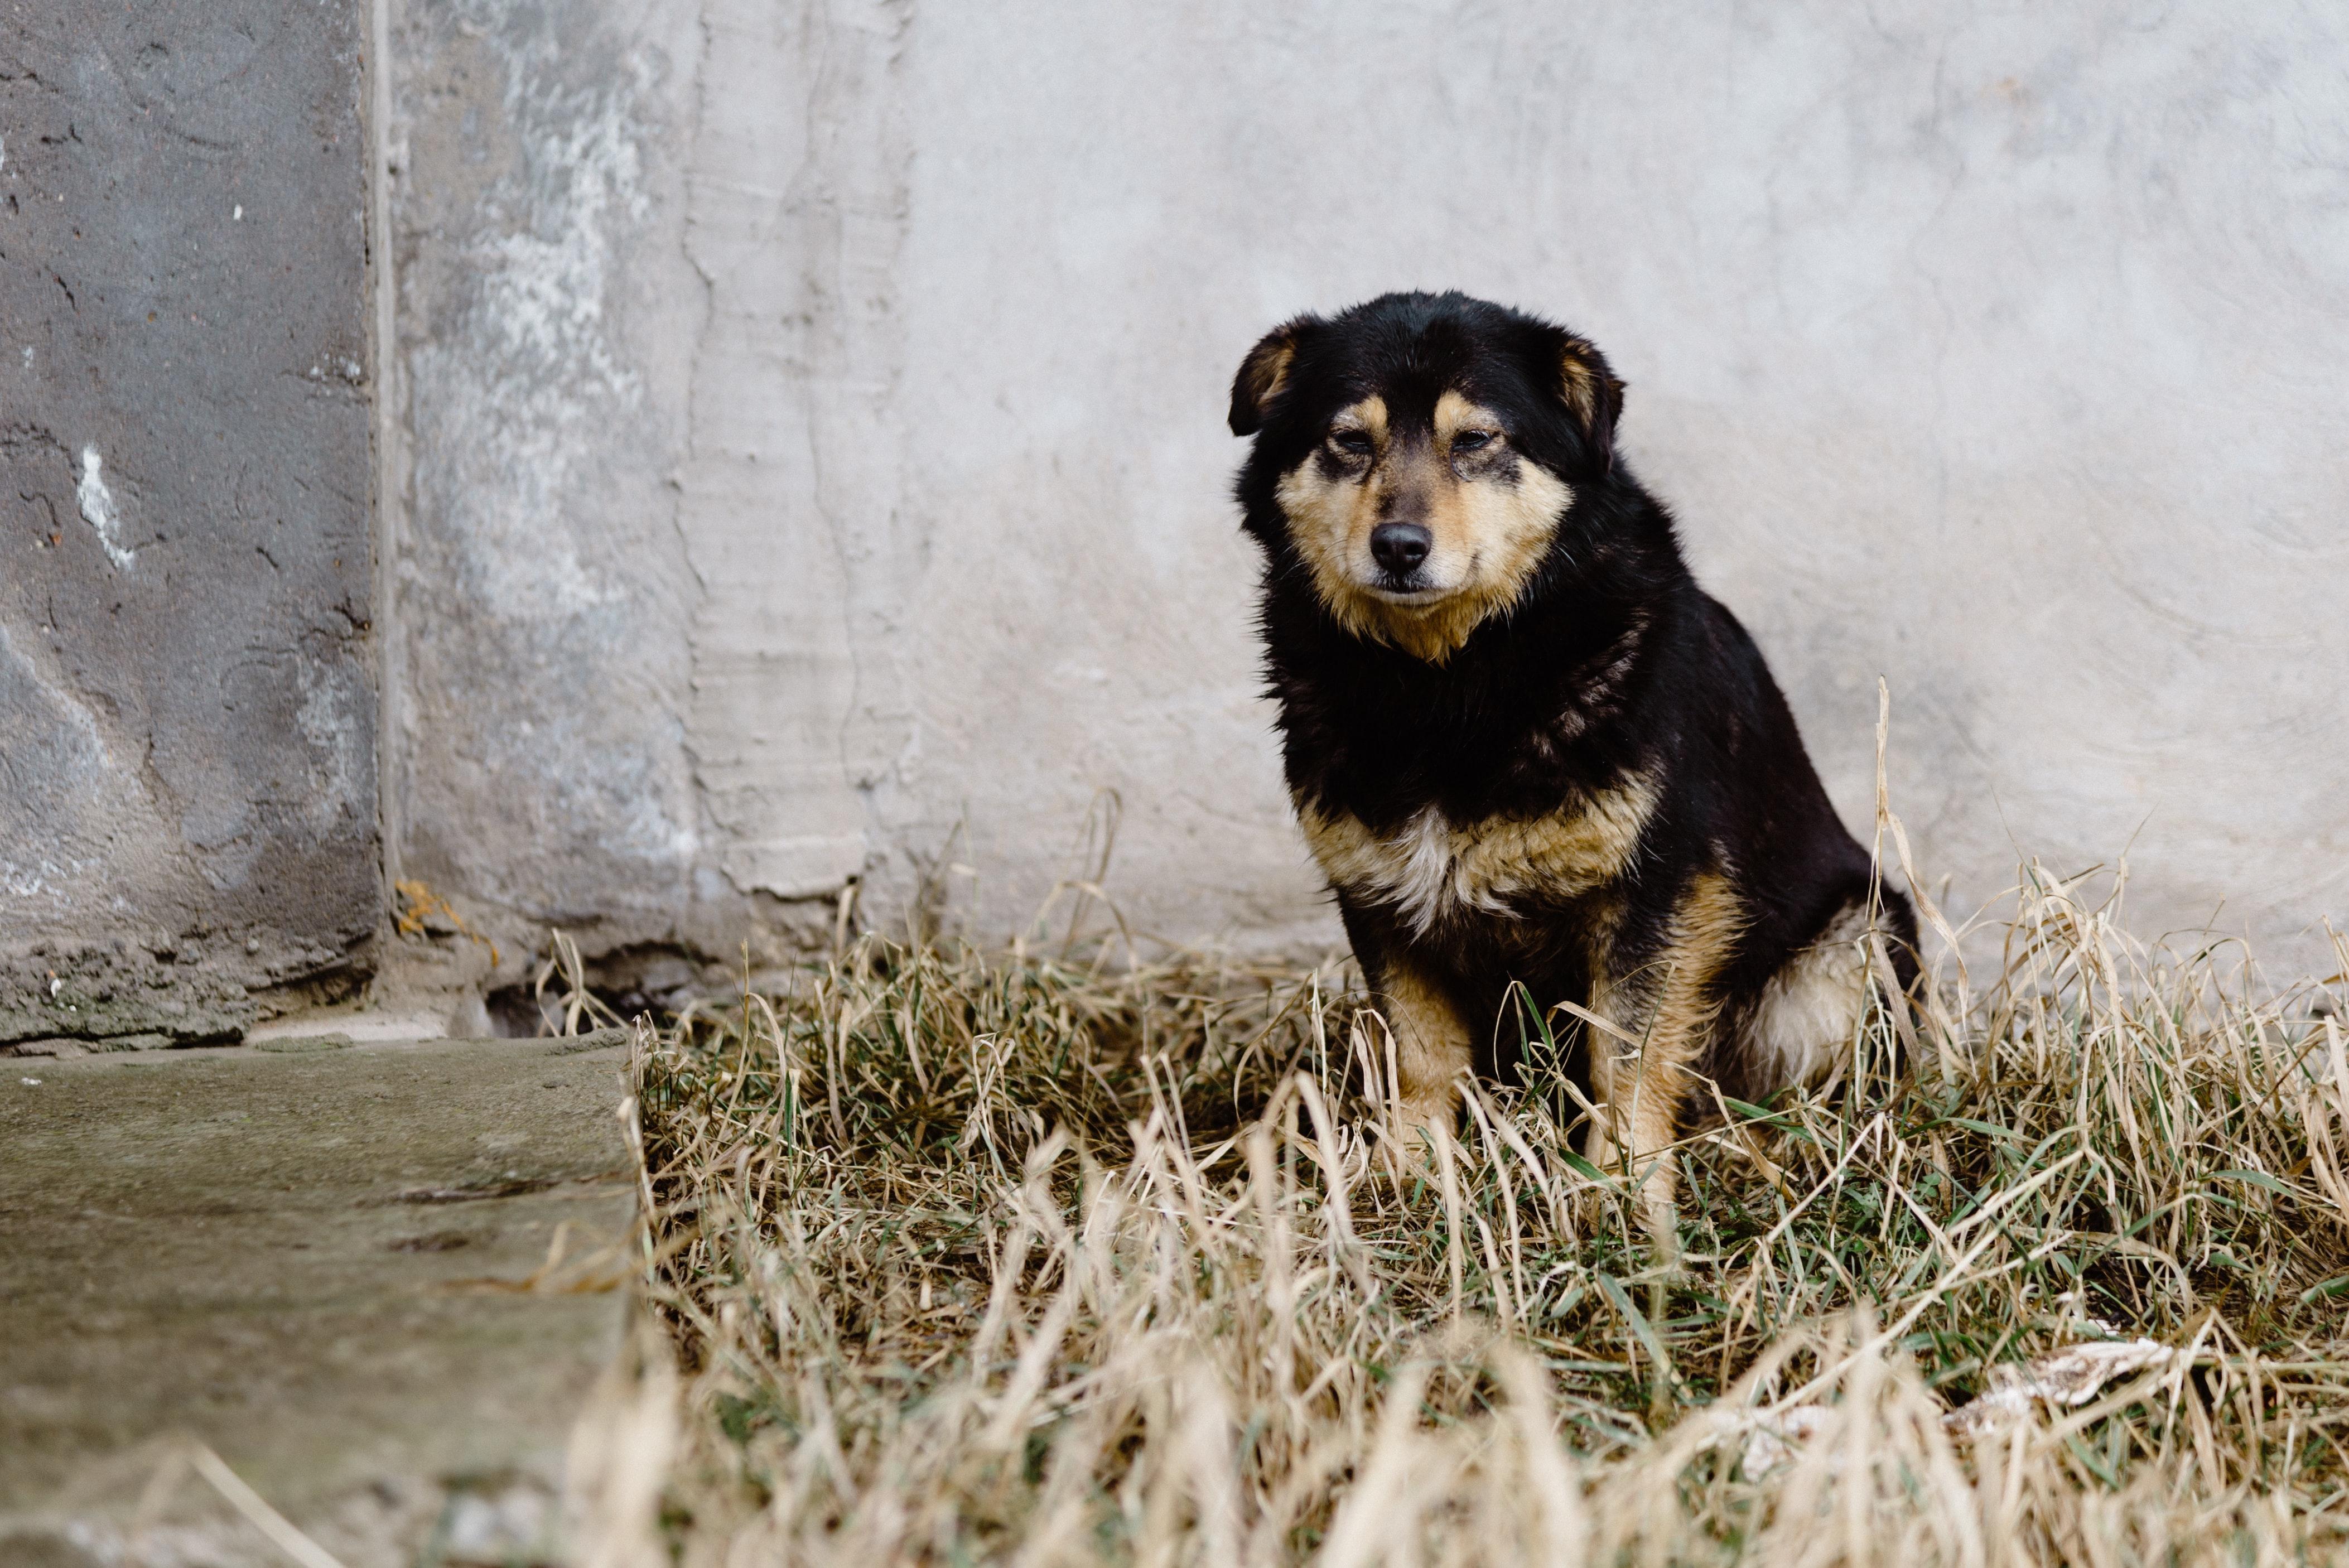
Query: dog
1524,746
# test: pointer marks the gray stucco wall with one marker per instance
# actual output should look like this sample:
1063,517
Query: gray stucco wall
541,595
188,796
820,469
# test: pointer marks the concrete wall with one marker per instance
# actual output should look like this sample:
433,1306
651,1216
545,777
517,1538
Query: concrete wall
187,715
809,464
821,470
542,602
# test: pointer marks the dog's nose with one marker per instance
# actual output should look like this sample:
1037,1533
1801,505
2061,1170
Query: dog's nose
1400,547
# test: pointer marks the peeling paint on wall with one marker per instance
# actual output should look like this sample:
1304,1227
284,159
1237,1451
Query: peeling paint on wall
97,508
65,800
543,594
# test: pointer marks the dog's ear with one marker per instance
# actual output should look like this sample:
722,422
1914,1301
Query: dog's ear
1263,375
1592,395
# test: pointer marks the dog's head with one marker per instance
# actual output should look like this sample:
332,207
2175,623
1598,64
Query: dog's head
1421,452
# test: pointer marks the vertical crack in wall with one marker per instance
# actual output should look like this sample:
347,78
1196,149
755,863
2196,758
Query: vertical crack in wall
788,488
390,492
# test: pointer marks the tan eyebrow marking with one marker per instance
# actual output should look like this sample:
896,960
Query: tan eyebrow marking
1369,415
1454,413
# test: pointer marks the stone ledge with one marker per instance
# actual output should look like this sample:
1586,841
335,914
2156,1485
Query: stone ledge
379,1280
120,1001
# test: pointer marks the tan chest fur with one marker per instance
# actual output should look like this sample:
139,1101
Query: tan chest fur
1434,870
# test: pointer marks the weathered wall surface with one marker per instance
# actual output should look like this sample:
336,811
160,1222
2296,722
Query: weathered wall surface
820,470
540,596
187,764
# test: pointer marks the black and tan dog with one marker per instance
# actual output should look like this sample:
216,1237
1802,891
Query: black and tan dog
1524,744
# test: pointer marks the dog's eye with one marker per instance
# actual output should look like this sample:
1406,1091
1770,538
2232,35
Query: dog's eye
1471,440
1353,443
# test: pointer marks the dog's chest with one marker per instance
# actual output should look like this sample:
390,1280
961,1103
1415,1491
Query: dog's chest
1433,872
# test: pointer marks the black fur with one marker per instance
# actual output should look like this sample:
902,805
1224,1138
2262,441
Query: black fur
1540,704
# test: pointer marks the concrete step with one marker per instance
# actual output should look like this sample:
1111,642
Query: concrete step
378,1279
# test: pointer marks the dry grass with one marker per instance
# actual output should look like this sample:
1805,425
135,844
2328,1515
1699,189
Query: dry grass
977,1259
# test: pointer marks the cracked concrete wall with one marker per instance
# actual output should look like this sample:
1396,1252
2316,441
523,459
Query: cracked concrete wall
820,470
541,595
187,712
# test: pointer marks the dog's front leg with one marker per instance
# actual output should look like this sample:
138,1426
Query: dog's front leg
1643,1075
1432,1048
1639,1085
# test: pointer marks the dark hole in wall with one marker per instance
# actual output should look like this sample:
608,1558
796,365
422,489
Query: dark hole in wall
515,1014
655,977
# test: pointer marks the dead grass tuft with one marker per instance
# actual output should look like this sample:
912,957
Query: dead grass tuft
983,1259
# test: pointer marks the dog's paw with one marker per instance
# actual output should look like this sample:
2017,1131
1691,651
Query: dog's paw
1596,1207
1620,1200
1406,1151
